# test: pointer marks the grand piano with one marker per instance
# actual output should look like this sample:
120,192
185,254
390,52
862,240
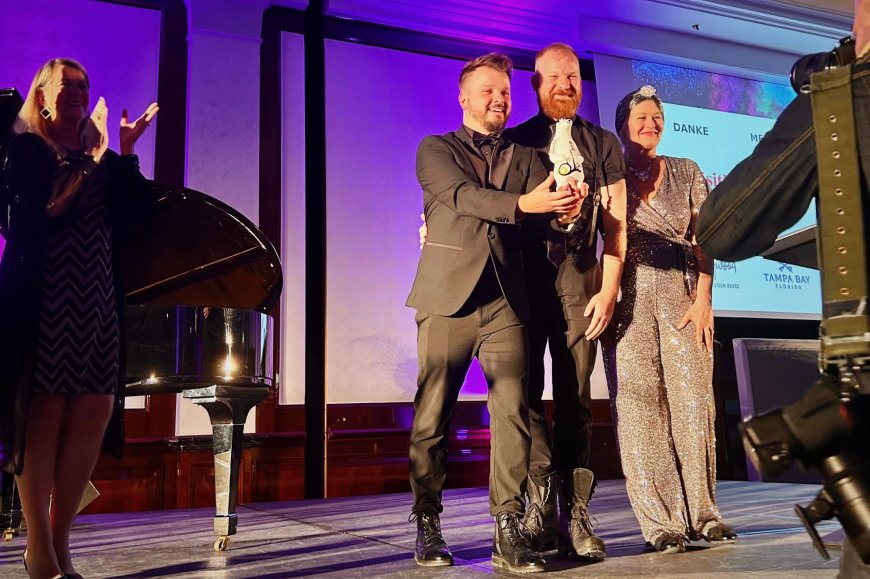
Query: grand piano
200,281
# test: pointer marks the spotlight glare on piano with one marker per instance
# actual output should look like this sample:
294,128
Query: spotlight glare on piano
152,378
229,368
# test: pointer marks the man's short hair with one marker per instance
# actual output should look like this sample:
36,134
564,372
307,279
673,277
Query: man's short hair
494,60
558,47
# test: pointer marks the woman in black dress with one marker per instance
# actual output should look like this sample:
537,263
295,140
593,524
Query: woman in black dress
61,299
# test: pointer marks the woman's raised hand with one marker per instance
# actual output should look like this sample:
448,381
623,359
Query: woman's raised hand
131,131
96,135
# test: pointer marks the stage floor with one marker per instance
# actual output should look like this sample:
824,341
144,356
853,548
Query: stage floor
371,537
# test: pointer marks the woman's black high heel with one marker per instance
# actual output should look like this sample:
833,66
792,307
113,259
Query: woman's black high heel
61,576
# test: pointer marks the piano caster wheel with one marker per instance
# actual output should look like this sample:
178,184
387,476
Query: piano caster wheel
221,544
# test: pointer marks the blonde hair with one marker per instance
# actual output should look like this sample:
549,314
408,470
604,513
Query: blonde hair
29,118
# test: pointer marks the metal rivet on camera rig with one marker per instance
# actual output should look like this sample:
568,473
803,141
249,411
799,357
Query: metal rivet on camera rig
837,173
841,230
840,211
838,191
842,249
844,291
842,270
834,136
836,154
833,118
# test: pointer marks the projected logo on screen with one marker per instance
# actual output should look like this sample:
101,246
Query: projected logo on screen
786,278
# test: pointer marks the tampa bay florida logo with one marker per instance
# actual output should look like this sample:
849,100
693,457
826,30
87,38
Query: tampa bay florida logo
785,278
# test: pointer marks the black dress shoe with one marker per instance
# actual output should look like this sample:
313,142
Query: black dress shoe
510,549
718,533
430,549
669,542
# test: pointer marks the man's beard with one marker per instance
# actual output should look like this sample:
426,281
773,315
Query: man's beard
491,125
559,109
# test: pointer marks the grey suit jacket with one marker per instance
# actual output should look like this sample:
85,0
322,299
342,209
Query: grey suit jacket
470,224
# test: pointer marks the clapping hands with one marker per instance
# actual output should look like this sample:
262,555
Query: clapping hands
96,133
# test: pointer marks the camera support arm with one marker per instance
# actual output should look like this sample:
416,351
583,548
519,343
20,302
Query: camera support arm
845,327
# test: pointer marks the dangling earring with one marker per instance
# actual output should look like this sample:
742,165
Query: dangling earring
46,114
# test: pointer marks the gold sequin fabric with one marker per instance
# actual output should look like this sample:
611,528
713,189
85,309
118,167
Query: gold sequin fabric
660,380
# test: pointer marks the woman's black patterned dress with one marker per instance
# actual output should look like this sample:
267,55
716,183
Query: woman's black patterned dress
78,338
61,290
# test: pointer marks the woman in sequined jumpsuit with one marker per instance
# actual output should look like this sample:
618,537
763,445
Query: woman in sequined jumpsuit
659,359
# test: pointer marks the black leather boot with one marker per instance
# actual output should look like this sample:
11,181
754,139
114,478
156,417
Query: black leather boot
431,550
577,490
509,548
542,517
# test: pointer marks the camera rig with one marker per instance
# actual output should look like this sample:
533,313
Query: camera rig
827,428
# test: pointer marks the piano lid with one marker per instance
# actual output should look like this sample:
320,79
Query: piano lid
199,251
10,104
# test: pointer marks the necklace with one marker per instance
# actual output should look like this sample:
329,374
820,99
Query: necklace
643,174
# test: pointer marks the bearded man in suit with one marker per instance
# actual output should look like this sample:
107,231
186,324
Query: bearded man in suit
572,297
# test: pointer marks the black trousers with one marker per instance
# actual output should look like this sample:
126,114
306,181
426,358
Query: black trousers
445,348
557,298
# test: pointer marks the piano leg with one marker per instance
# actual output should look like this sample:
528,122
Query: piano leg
227,407
10,507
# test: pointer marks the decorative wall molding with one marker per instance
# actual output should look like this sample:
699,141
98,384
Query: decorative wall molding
501,24
675,49
761,36
772,13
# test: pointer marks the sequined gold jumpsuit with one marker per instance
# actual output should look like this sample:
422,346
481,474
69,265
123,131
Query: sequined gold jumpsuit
660,380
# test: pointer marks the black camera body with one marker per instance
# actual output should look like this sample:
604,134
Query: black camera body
806,66
827,429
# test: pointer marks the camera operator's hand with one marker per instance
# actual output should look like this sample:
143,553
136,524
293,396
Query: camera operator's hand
700,314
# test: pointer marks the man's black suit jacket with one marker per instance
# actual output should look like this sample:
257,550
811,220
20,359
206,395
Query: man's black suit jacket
470,224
